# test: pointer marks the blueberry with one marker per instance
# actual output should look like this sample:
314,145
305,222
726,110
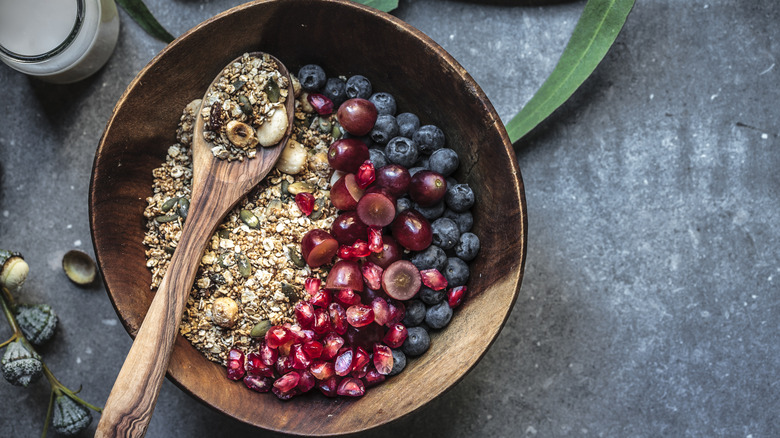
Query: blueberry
459,197
464,220
384,103
430,296
312,77
358,86
456,271
414,170
408,123
335,90
445,233
467,247
415,313
384,129
430,138
399,362
433,212
403,204
445,161
377,156
431,257
423,162
402,151
438,315
417,342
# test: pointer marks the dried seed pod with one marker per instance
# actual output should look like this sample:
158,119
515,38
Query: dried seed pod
79,267
241,134
293,158
69,417
13,270
274,128
301,187
37,322
21,366
224,312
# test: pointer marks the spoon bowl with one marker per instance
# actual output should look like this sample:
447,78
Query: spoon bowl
217,186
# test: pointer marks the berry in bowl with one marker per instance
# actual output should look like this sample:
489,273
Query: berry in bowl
370,271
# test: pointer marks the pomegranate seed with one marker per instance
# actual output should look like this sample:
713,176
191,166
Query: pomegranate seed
321,321
304,314
301,335
361,359
346,252
321,103
360,373
313,349
285,395
312,285
267,354
455,296
351,387
322,370
396,336
360,249
381,310
305,202
320,298
287,381
256,367
235,365
383,359
307,381
300,360
343,363
365,174
329,386
348,297
397,311
284,350
360,315
338,318
373,378
332,343
375,241
284,365
372,275
433,279
277,336
258,383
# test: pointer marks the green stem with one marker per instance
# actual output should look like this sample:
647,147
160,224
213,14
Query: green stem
61,389
6,299
48,415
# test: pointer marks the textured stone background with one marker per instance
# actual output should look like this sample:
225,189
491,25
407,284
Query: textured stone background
650,301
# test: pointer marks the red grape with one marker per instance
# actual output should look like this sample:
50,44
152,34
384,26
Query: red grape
401,280
394,178
345,192
357,116
412,230
347,154
427,188
347,228
345,274
318,247
376,210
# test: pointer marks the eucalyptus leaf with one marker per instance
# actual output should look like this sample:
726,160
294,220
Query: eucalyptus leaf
141,14
597,29
382,5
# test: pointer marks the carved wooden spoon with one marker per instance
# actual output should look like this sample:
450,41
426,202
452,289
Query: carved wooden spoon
217,186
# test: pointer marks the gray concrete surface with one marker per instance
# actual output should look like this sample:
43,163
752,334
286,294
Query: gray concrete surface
650,301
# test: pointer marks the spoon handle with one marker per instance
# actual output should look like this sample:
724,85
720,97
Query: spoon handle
132,399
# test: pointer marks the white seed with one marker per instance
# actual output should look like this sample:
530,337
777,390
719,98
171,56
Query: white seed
272,131
293,158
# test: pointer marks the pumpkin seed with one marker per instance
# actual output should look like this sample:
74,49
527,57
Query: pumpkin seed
243,103
224,233
319,209
218,279
301,187
289,291
238,84
336,131
167,218
260,329
184,207
244,267
295,257
225,260
249,219
170,250
323,124
167,205
272,91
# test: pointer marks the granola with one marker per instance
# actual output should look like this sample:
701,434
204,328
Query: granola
253,258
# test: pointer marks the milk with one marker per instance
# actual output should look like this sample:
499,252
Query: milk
43,38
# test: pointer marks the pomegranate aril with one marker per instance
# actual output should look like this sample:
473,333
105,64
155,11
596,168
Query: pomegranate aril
343,362
375,241
401,280
332,343
312,285
306,382
433,279
365,174
321,321
256,366
277,336
395,336
313,349
360,249
304,314
300,360
345,274
235,365
361,359
365,336
347,297
372,275
351,387
268,355
397,311
383,359
288,381
381,310
305,202
338,318
360,315
322,369
284,365
455,296
285,395
284,349
346,253
320,298
329,386
320,103
300,334
373,378
258,383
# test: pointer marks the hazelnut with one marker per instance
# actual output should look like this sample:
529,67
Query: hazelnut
224,312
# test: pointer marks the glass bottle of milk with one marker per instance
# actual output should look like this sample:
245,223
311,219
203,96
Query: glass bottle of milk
59,41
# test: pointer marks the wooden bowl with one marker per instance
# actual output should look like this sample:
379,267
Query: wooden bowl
345,38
